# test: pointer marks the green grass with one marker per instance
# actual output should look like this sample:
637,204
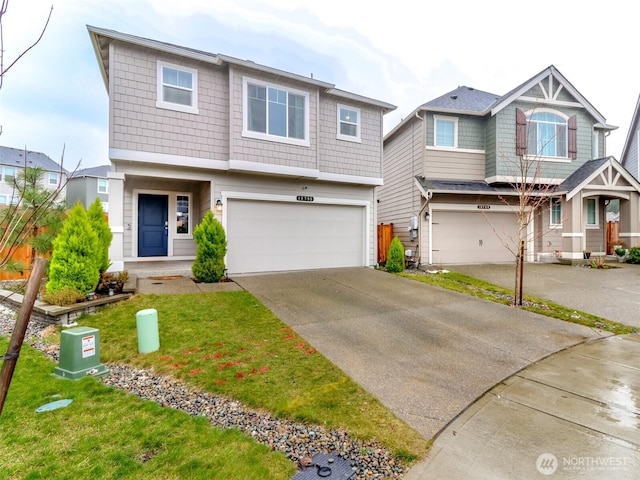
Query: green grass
108,434
488,291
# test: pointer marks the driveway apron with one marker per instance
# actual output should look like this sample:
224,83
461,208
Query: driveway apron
426,353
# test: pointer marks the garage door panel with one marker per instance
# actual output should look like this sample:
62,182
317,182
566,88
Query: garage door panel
470,237
277,236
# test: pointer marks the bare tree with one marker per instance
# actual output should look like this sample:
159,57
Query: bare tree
532,193
4,6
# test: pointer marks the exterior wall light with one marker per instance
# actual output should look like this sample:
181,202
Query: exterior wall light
218,205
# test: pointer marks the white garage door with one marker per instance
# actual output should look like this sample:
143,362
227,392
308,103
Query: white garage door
276,236
469,237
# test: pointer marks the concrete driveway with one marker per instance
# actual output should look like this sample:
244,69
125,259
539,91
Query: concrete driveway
424,352
613,293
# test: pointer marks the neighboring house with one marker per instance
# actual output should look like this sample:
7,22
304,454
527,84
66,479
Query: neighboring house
450,167
289,164
14,160
630,158
88,184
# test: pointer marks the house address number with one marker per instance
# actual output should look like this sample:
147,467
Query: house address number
484,207
303,198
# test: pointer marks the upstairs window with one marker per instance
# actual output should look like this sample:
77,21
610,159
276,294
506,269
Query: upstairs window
348,123
275,113
103,185
556,212
53,178
445,131
546,134
177,88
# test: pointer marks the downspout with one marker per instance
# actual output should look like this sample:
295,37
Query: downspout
413,163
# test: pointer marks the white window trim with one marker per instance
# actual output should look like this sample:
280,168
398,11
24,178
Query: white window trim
173,199
358,124
596,145
265,136
552,225
50,176
586,213
435,131
160,103
106,186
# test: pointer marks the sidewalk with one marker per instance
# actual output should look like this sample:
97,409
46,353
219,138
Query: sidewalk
573,414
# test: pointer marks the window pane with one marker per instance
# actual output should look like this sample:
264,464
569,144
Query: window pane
347,129
445,133
296,116
556,211
182,219
277,112
9,174
257,121
184,80
561,140
102,185
169,76
347,115
3,200
176,95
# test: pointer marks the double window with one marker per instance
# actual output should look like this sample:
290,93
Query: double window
547,135
348,123
177,88
275,113
445,131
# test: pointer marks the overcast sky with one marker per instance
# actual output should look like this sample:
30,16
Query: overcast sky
402,52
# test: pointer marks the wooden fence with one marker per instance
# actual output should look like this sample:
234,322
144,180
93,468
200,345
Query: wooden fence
613,232
21,254
385,235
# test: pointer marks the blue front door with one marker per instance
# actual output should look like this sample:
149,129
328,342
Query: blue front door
152,225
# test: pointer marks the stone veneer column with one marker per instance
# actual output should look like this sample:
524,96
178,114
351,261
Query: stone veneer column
116,220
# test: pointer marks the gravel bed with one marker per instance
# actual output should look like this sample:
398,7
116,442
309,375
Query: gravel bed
296,440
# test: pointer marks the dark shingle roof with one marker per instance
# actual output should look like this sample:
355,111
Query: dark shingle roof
581,174
100,172
463,99
464,186
16,158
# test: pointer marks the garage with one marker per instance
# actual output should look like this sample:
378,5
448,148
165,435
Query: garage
471,236
270,236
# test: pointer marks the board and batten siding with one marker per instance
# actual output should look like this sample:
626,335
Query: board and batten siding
136,122
399,198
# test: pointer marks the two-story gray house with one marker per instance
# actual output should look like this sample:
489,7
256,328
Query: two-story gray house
87,184
452,166
289,164
15,160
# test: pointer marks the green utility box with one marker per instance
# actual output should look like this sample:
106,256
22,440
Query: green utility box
147,326
80,354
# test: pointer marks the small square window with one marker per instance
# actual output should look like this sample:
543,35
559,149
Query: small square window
349,123
177,88
445,132
9,174
53,178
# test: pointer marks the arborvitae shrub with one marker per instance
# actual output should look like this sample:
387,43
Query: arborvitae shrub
211,244
73,262
99,224
395,256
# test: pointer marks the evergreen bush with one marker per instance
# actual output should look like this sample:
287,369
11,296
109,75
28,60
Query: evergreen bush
211,244
73,262
634,255
99,224
395,256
